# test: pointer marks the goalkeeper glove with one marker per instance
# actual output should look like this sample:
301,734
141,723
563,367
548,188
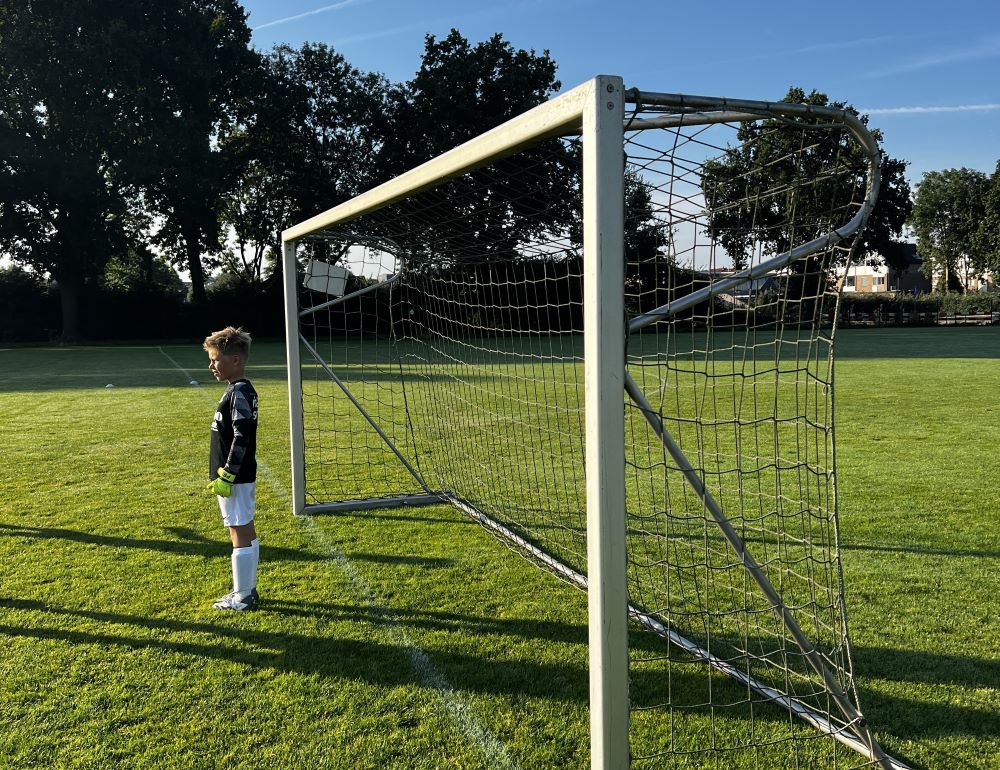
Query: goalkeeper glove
222,486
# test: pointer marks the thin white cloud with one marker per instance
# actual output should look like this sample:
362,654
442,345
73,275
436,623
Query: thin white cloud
324,9
839,45
425,25
928,110
987,48
386,32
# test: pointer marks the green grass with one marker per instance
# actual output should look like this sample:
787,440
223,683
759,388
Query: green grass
412,639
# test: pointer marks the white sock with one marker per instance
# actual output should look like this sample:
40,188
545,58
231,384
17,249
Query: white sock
244,571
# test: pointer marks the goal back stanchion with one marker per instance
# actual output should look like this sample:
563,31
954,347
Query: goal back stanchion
624,372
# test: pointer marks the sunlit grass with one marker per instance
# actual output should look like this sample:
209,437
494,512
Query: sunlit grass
410,638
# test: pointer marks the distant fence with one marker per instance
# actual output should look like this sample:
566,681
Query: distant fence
925,310
851,317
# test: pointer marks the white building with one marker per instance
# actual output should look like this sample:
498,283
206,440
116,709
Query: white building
872,276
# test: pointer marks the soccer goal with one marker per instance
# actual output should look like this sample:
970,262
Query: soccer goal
604,331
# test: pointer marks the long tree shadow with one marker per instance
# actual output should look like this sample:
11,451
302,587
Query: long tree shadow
394,660
192,543
386,663
927,668
925,550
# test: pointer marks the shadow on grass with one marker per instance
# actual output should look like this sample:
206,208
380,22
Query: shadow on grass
168,366
928,668
392,659
192,543
920,342
389,663
921,550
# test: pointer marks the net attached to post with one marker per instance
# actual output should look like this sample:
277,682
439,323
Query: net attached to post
465,350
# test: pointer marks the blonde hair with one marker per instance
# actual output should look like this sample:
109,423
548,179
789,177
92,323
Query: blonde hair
228,341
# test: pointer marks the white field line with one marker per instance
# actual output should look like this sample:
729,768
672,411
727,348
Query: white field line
177,365
492,748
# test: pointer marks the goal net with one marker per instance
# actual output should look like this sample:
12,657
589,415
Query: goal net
455,324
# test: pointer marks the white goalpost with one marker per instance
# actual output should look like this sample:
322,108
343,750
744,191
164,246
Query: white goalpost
604,331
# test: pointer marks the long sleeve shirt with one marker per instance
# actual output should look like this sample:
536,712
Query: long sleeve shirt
234,433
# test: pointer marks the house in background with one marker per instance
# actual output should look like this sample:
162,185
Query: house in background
871,276
968,279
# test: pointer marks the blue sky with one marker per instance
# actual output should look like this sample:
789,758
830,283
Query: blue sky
927,73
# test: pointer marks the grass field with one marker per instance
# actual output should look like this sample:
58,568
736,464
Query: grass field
411,639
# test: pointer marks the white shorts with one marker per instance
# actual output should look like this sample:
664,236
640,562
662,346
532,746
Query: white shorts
238,508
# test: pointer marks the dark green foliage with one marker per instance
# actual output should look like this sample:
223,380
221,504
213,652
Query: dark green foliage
107,111
921,310
949,209
67,105
988,236
311,143
801,205
461,91
204,76
29,310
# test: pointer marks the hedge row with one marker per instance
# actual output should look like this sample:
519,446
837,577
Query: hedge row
30,311
891,310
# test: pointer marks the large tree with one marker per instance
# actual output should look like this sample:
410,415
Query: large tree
67,100
310,143
948,212
773,159
461,91
200,84
988,237
107,115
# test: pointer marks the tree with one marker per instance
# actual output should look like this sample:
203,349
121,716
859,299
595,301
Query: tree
67,78
316,126
949,209
769,159
461,91
204,75
107,110
988,237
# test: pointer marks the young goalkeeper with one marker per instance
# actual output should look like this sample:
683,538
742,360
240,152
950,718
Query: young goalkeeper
233,461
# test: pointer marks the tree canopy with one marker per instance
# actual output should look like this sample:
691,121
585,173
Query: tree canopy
139,137
948,213
107,116
988,237
200,85
311,143
69,78
461,91
768,158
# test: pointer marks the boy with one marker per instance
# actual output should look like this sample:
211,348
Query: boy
233,461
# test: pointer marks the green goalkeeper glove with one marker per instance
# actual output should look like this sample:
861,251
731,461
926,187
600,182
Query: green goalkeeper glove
222,486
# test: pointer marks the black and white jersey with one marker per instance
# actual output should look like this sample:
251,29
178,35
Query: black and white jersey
234,433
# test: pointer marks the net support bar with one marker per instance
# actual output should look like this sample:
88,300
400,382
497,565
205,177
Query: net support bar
364,413
812,656
650,623
743,109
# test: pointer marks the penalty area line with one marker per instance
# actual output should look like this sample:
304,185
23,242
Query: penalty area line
474,731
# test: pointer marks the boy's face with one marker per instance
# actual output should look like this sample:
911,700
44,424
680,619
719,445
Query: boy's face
225,367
